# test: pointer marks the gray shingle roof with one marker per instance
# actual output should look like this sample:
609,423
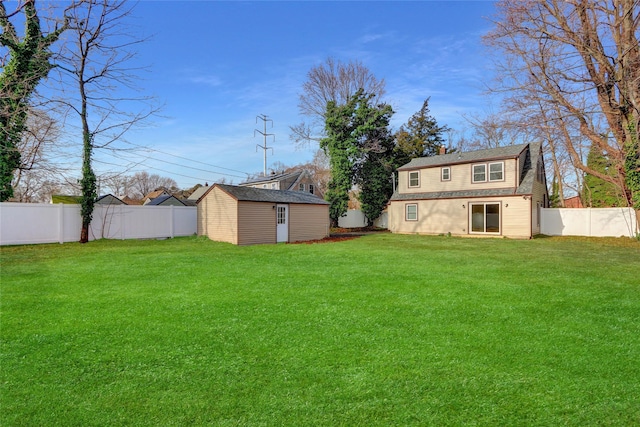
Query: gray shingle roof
251,194
491,192
506,152
529,170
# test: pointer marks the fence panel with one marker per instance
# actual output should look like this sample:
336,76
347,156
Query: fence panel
600,222
28,223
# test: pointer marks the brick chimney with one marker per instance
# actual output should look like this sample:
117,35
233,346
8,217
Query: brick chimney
443,150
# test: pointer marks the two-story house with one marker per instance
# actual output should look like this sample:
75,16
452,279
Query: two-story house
492,192
299,180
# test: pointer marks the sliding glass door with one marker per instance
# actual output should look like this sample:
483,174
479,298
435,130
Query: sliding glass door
485,218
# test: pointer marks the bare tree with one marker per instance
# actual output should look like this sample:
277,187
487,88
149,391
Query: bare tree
97,62
331,81
37,147
143,183
581,62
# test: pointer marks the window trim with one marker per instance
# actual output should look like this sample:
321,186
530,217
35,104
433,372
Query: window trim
406,211
473,172
487,172
442,170
501,163
301,186
417,179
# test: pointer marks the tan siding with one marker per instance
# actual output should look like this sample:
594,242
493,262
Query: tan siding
308,222
452,216
256,223
516,218
460,179
217,217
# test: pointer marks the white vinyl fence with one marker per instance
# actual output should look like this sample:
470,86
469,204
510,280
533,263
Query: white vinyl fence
27,223
600,222
354,218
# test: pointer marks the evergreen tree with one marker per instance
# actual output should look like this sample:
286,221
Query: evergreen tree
598,193
420,137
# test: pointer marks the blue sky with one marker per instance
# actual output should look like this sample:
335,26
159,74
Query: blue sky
216,66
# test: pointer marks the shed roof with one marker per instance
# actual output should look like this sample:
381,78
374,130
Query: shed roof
506,152
251,194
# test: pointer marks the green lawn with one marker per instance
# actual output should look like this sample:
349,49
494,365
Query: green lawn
383,330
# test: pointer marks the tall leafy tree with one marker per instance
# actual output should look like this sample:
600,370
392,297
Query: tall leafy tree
360,148
421,136
29,62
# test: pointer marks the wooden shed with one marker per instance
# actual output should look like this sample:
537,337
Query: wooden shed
247,216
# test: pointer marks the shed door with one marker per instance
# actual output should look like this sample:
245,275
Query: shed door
282,223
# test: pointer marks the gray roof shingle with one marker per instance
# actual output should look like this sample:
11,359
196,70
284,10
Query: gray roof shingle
506,152
251,194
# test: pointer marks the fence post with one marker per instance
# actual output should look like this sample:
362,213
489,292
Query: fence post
171,219
60,223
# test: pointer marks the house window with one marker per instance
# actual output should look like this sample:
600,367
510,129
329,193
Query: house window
485,218
264,185
414,179
273,185
311,188
411,212
300,187
496,171
446,174
479,173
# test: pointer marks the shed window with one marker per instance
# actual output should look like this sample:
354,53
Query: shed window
414,179
411,212
282,215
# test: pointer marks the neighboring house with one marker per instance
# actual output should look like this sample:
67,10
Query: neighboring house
293,181
109,199
154,195
193,198
493,192
246,215
165,200
573,202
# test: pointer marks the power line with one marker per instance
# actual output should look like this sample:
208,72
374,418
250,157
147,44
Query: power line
188,159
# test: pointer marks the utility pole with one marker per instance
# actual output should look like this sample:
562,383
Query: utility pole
264,147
